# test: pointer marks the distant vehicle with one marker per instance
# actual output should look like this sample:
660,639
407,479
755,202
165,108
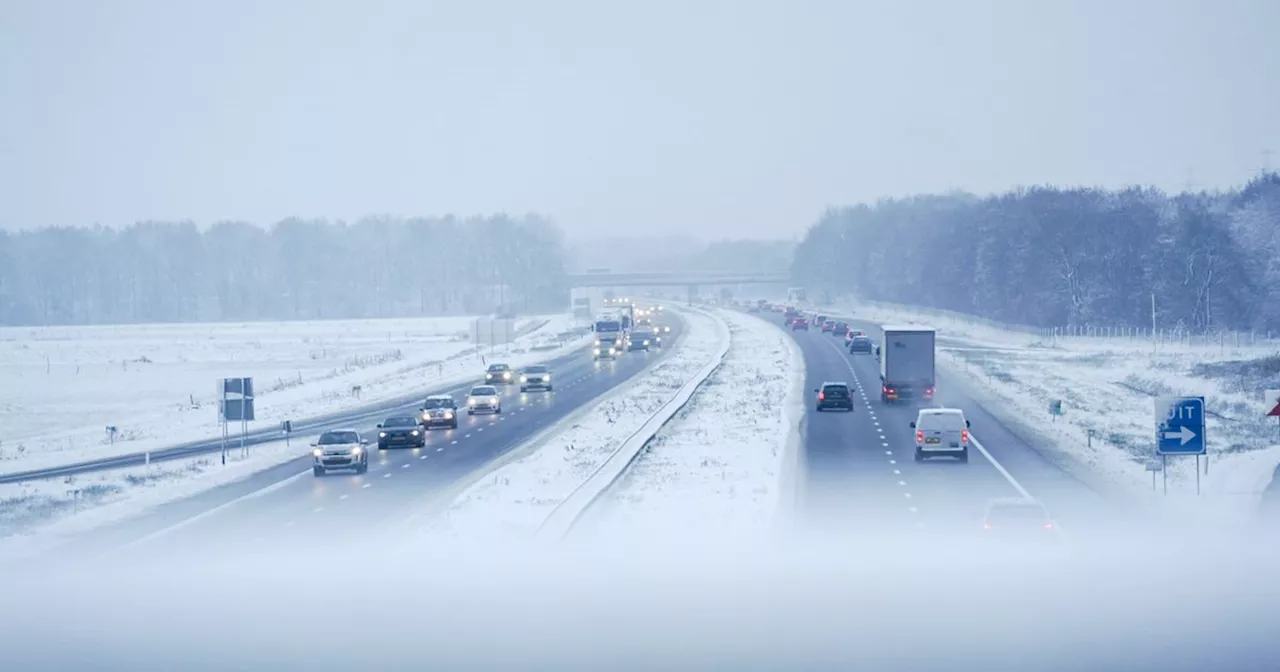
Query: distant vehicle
907,363
483,399
941,432
828,325
607,326
535,377
401,431
1017,515
834,395
662,328
800,323
339,449
819,319
840,329
498,374
861,344
643,323
641,340
440,410
606,349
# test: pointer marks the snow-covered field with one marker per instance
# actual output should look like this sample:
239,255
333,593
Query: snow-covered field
717,470
1107,386
513,500
37,514
61,387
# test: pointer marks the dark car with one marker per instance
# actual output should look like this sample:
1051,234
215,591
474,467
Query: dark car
499,374
641,340
840,328
440,410
800,323
861,344
834,395
535,377
401,431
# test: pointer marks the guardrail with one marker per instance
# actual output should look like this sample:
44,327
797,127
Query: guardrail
253,438
570,510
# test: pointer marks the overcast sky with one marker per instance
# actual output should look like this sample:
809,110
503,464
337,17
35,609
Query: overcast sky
740,119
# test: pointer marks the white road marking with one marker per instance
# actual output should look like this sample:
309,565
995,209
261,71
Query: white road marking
318,509
913,509
423,457
452,443
467,436
387,475
902,483
896,472
342,496
441,448
907,494
406,464
367,485
289,524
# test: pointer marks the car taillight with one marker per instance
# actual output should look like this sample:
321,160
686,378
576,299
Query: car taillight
822,395
964,435
928,391
919,436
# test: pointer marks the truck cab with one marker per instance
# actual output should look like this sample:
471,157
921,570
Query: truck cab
907,368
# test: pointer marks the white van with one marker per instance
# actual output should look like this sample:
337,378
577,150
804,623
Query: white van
941,432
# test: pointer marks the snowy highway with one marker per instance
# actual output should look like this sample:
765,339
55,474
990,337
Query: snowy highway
860,475
286,505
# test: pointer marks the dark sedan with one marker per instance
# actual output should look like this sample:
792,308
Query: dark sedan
401,431
861,344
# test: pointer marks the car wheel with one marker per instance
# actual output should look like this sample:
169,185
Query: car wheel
817,409
382,446
524,389
498,410
470,412
919,455
317,471
454,425
363,468
964,456
549,388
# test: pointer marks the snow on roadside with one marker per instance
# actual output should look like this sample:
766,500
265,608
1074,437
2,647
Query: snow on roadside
1107,386
156,383
716,469
41,513
513,500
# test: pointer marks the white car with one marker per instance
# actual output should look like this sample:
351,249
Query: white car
340,449
941,432
1015,515
483,399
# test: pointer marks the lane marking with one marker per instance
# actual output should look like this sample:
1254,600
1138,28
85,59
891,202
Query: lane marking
406,464
367,485
441,448
341,497
318,509
289,524
387,475
452,443
423,457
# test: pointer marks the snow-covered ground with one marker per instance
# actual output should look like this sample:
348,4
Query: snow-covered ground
717,470
37,514
61,387
513,500
1107,386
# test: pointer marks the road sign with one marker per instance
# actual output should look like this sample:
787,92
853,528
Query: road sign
1180,426
1055,407
1273,402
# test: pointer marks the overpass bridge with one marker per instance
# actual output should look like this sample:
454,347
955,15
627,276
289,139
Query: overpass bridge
677,279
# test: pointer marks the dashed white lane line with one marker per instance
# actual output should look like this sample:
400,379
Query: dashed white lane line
318,509
441,448
342,497
367,485
405,465
423,457
452,443
466,436
387,475
289,524
481,429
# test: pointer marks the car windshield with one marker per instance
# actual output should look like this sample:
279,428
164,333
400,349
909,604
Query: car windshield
862,339
836,390
483,391
498,368
338,438
438,403
1016,515
400,422
535,369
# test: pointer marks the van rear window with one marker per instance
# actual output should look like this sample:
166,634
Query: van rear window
836,391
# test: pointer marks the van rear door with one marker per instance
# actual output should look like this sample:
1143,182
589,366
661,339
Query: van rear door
942,431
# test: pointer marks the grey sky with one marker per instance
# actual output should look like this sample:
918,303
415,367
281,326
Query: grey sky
707,118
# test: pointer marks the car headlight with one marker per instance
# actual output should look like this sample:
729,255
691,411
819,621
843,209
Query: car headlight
524,379
493,400
471,402
646,341
382,435
506,375
546,376
596,351
611,351
317,452
598,341
414,432
448,415
355,451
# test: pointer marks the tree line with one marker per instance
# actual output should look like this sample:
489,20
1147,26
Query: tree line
1046,256
297,269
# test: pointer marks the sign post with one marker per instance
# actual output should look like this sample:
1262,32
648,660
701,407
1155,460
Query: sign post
1180,430
1272,397
1055,409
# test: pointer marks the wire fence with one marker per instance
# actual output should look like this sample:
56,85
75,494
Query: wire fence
1158,338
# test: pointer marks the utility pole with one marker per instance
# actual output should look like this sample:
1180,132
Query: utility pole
1153,320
